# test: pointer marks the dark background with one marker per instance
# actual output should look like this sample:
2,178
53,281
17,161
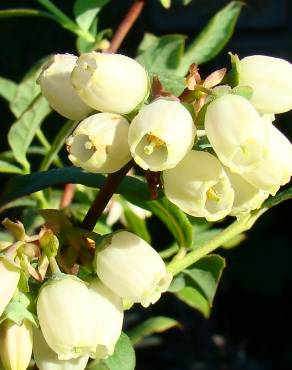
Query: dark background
250,326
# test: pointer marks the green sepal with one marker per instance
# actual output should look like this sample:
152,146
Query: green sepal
244,91
15,228
232,78
17,310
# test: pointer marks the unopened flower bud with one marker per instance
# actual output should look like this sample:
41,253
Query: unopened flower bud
199,186
47,359
236,132
107,319
9,278
275,169
246,196
270,79
110,82
161,134
15,344
131,268
64,312
56,86
100,143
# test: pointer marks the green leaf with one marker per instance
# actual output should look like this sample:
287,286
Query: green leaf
199,283
278,198
27,90
166,3
135,223
213,37
161,54
17,311
148,40
85,11
153,325
7,13
20,186
6,167
57,144
171,83
7,89
122,359
24,129
205,275
175,220
194,299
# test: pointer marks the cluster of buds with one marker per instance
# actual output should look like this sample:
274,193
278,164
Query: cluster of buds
247,159
76,319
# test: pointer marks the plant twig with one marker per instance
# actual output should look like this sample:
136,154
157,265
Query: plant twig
104,195
126,25
68,195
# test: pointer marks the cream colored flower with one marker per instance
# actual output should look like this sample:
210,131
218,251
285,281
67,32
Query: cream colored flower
56,86
64,312
107,320
274,170
236,132
246,196
15,345
270,79
161,134
9,278
100,143
131,268
47,359
110,82
199,186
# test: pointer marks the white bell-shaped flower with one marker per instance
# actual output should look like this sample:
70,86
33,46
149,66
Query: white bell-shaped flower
270,79
110,82
107,318
56,86
199,186
274,170
15,345
131,268
64,312
161,134
246,196
9,278
47,359
100,143
236,132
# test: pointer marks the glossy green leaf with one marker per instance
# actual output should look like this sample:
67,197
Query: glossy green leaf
6,167
136,224
23,130
7,13
149,40
27,90
85,11
213,37
278,198
7,89
197,285
171,83
122,359
150,326
162,54
165,3
194,299
19,186
205,275
175,220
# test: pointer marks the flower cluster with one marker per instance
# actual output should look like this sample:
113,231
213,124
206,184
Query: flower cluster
247,158
77,319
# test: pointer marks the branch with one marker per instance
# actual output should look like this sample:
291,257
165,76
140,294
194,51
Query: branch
126,25
104,195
